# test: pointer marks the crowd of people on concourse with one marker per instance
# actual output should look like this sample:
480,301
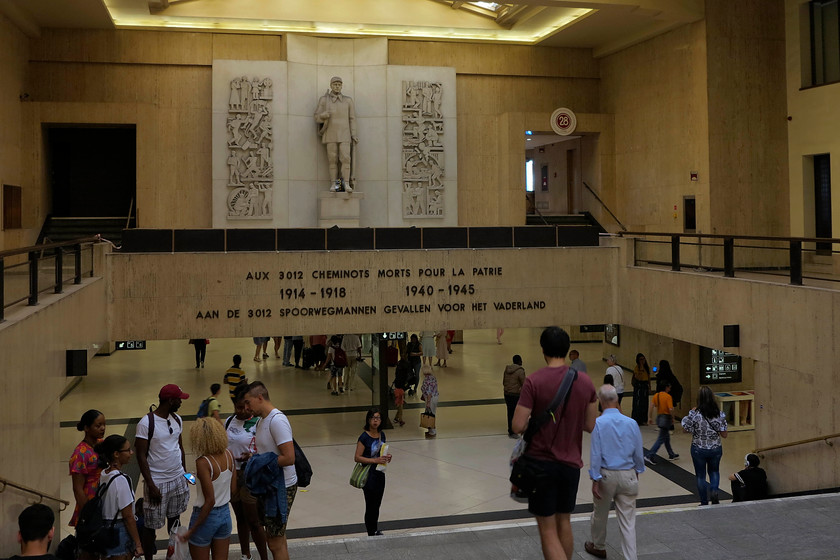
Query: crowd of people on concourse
247,462
553,449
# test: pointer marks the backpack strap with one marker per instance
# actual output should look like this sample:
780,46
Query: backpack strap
151,417
228,421
105,489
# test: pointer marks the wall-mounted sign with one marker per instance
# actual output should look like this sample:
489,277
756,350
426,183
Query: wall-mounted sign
717,366
392,336
611,334
131,345
244,294
563,121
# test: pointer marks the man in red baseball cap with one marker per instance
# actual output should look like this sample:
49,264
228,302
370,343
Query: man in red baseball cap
160,454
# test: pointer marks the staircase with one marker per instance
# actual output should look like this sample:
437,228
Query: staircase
56,230
796,527
582,219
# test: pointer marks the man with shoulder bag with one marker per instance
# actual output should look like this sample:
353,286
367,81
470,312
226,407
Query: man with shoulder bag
564,404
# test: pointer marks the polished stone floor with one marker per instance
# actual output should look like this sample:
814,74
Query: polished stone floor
458,479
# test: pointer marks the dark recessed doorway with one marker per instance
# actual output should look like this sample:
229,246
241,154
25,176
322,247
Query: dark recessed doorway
91,169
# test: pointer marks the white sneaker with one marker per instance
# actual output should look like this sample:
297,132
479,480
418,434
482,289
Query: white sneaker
243,557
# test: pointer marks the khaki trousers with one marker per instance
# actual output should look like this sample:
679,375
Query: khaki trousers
621,487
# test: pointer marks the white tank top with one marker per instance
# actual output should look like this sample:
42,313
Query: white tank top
221,486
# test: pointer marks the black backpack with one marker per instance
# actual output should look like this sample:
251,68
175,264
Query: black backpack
93,533
302,467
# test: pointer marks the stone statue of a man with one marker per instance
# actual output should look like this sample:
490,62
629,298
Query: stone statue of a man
336,116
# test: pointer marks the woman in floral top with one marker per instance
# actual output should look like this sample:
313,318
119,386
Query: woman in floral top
84,467
707,424
429,392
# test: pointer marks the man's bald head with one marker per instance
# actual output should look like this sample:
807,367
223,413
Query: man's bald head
608,396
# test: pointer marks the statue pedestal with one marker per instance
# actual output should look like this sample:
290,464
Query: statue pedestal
339,209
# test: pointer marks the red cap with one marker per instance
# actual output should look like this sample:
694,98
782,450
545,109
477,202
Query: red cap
172,391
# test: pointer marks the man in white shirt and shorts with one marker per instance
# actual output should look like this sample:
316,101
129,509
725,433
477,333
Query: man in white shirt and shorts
274,434
160,455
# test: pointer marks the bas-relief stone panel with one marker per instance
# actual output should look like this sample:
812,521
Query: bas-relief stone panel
249,123
179,286
363,66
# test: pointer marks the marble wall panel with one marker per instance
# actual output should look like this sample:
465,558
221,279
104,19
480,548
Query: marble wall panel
303,203
374,211
304,147
303,82
372,151
371,97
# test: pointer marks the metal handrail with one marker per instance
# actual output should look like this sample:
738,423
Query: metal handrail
800,442
62,503
33,260
725,236
728,244
47,246
598,198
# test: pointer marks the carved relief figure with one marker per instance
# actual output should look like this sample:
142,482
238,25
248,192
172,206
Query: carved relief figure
336,117
250,143
435,203
422,150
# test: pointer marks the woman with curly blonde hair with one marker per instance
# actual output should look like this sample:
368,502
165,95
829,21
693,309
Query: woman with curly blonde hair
210,524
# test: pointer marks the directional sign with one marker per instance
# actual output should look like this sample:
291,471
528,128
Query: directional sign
131,345
718,366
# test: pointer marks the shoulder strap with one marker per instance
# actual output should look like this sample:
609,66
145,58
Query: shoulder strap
151,417
206,458
105,489
534,424
177,418
228,421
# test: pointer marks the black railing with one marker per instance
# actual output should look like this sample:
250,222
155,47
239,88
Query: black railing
35,256
355,239
731,253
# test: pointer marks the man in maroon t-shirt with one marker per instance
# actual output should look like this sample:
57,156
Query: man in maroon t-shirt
557,445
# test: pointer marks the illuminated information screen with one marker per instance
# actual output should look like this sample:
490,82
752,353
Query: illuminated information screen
718,366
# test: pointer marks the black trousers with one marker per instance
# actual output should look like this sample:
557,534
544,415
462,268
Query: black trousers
298,346
200,352
510,402
374,490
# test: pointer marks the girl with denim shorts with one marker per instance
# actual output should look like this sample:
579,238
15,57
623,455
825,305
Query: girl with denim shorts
210,524
118,498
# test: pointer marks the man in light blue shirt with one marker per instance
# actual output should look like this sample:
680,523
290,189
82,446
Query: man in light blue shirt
616,460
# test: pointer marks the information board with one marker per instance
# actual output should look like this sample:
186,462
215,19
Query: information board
718,366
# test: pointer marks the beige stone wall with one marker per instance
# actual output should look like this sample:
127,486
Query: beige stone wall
159,81
497,85
787,336
656,91
747,128
812,129
33,343
14,52
168,296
